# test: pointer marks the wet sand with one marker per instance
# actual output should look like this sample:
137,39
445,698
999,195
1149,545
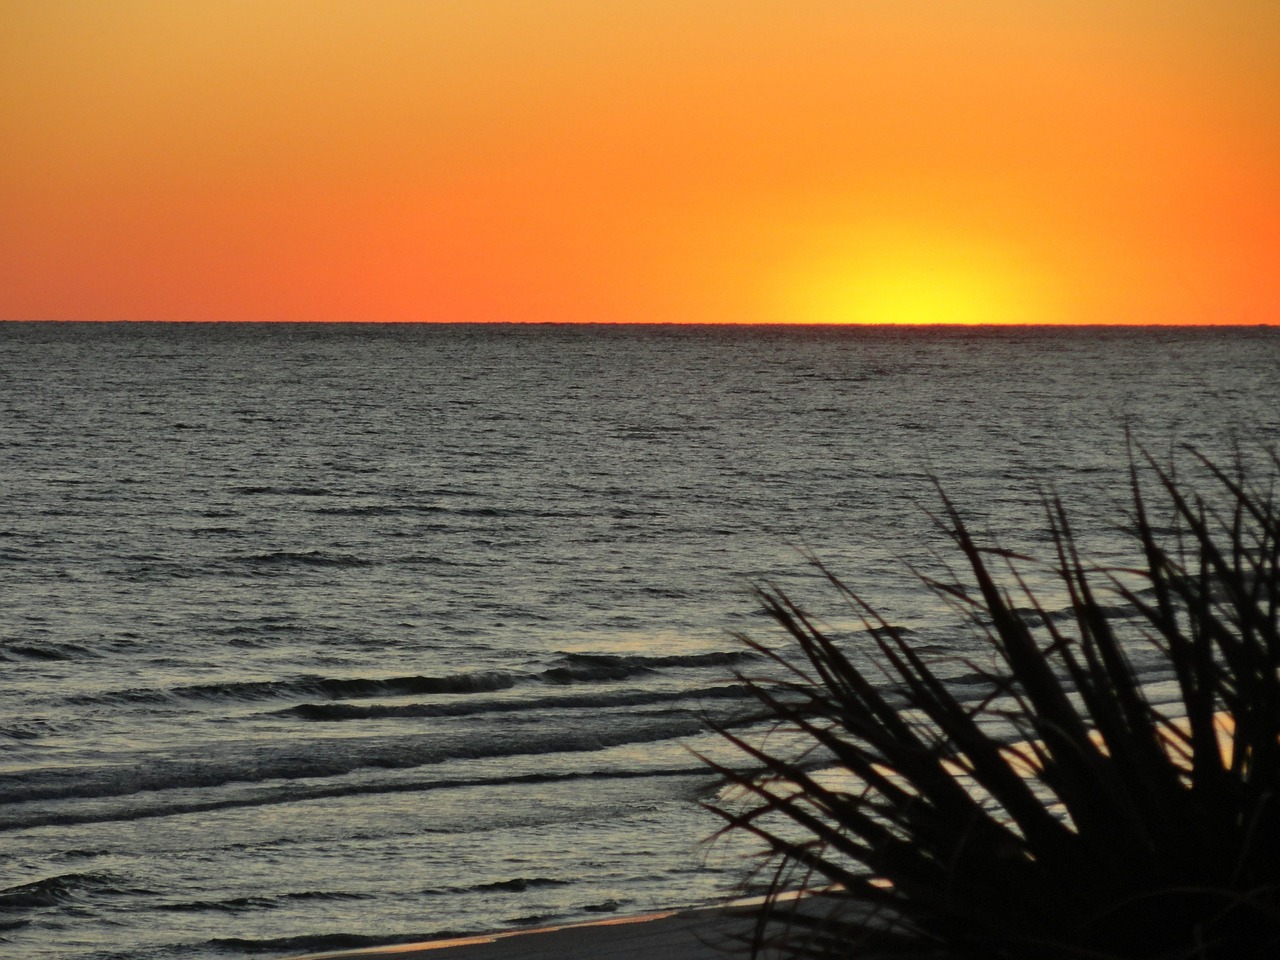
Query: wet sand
706,934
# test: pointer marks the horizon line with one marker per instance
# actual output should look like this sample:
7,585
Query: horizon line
659,323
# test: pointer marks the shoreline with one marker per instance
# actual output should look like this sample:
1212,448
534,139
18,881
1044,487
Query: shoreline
697,933
710,932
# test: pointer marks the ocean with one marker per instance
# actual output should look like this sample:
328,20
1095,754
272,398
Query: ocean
318,636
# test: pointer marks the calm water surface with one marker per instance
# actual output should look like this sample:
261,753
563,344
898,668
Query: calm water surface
316,636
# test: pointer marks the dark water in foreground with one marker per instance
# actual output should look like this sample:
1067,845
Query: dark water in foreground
311,634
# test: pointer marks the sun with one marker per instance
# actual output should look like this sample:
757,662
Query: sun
923,292
912,276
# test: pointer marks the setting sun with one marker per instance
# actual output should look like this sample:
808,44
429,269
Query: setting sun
896,276
927,293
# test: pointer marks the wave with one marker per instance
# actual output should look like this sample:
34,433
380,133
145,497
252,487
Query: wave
331,688
258,490
578,667
1033,616
44,651
62,889
118,697
247,772
514,885
234,905
307,558
350,688
298,792
250,904
351,711
567,669
409,507
30,728
152,567
379,510
218,531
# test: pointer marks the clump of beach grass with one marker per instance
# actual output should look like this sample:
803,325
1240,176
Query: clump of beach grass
1064,814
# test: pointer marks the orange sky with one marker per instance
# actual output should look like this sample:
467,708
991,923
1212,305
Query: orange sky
1096,161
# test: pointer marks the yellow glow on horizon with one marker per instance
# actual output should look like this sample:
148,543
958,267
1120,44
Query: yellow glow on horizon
897,277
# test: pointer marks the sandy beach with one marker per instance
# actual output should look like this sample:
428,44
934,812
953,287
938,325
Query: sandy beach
704,934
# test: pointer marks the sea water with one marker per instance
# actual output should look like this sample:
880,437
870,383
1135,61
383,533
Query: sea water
316,636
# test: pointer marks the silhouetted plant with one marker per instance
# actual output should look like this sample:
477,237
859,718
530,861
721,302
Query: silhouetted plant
1062,815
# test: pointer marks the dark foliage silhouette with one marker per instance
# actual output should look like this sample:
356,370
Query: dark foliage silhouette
1063,814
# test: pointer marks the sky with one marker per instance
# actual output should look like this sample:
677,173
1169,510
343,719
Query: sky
666,161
